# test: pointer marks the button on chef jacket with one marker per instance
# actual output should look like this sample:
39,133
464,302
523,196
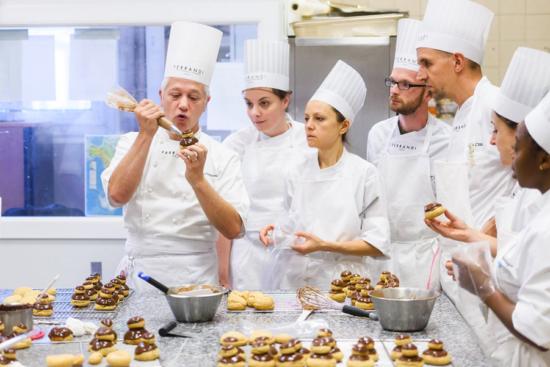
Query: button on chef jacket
164,217
343,202
470,140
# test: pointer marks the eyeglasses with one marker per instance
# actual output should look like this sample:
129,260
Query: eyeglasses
402,84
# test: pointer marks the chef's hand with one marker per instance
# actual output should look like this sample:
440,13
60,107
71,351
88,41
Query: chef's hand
194,157
454,229
147,115
307,243
265,234
473,270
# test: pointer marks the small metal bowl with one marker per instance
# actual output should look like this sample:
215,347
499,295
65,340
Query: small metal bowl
404,309
195,303
12,315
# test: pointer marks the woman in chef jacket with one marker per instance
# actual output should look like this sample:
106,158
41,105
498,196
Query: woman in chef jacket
334,198
267,150
526,82
517,287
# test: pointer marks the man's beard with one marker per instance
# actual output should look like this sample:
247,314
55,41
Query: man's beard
411,107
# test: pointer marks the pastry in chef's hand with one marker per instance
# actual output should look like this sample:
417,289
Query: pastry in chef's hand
433,210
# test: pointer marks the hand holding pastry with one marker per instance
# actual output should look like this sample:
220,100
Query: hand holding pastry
194,157
454,229
473,270
265,234
310,243
147,115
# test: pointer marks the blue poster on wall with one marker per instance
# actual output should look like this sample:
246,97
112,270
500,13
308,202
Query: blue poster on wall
99,152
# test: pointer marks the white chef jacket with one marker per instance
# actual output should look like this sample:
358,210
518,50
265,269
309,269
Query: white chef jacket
470,140
407,143
343,202
522,272
164,215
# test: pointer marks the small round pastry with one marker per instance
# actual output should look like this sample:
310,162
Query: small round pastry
320,346
92,294
354,278
234,361
92,280
360,360
297,345
402,339
288,347
133,336
80,300
262,335
60,334
435,354
79,289
236,302
264,303
19,329
110,286
380,285
260,347
96,276
338,296
409,350
106,323
148,337
282,338
10,354
39,309
345,276
366,291
136,322
146,352
304,351
233,338
337,354
117,283
228,351
322,333
98,286
187,140
360,349
119,358
433,210
45,298
95,358
87,285
320,360
21,291
106,333
330,341
106,292
60,360
337,285
364,303
105,304
361,284
103,346
409,361
350,290
121,278
384,276
261,360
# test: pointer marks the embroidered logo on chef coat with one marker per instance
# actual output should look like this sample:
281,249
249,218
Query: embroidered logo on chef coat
188,69
459,127
403,147
170,153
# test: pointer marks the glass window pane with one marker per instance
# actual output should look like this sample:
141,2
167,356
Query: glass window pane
56,132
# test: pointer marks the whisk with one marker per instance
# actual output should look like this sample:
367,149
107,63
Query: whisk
312,299
122,100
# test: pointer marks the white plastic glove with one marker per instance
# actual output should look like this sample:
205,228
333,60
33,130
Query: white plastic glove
472,269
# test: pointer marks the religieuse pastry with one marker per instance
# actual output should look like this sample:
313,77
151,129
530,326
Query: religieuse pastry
146,352
187,139
409,357
136,327
102,346
227,351
60,334
433,210
360,356
320,354
400,340
79,297
435,354
231,355
289,357
42,309
261,356
369,342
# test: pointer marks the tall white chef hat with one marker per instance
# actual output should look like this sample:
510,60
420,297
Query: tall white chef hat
266,64
527,80
405,49
344,89
456,26
192,51
538,123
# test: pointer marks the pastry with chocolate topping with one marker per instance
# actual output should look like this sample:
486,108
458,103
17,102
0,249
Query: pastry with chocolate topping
60,334
41,309
360,356
79,298
435,354
133,336
103,346
187,139
136,322
235,361
18,330
433,210
146,352
105,304
409,357
364,302
106,323
106,333
10,354
4,361
345,276
320,360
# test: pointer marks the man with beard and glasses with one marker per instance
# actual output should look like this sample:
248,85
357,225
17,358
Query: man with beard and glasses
403,148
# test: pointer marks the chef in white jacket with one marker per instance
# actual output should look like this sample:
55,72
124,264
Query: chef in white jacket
517,285
268,149
525,83
403,148
334,198
176,202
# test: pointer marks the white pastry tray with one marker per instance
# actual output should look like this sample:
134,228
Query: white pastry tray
383,348
43,348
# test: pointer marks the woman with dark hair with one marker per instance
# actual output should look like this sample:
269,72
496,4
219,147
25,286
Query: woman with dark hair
334,198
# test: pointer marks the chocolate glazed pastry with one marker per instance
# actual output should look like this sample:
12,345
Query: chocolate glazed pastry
188,139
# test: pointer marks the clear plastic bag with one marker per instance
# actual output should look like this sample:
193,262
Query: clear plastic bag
472,268
298,329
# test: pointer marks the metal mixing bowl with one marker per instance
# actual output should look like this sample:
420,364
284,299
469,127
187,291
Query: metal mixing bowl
404,309
192,305
15,315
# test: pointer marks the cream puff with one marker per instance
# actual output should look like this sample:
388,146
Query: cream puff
105,304
233,338
146,352
106,333
320,346
409,357
337,285
40,309
60,334
360,356
102,346
364,303
80,300
433,210
133,336
345,276
435,354
264,303
338,296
